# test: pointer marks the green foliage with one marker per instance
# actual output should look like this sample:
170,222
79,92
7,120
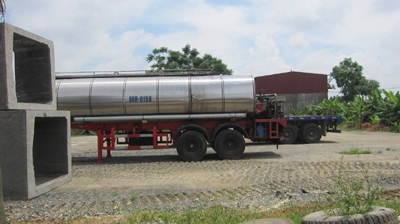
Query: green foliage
133,197
349,77
2,8
355,151
380,108
220,214
358,109
396,126
187,59
375,119
352,196
217,214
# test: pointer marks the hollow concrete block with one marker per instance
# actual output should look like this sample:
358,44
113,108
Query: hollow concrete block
26,70
35,154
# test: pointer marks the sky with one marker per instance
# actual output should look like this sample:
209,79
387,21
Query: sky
253,37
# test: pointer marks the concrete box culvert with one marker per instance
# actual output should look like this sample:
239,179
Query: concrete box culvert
26,70
34,152
378,215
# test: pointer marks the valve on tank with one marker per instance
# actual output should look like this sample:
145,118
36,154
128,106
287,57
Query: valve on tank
268,106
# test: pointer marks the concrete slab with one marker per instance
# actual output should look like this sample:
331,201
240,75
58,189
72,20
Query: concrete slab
35,154
26,70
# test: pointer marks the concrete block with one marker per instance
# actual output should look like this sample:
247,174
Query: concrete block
35,154
26,70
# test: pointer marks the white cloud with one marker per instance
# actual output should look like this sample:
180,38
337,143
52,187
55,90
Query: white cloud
264,57
256,37
297,44
320,62
81,30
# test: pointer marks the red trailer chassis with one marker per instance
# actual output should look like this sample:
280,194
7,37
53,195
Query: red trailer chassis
164,134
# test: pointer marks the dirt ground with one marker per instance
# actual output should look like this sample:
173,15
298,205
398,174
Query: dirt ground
159,179
163,168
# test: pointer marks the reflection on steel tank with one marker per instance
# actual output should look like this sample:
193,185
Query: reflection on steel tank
156,95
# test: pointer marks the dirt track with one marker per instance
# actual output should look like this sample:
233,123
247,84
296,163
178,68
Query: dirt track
135,180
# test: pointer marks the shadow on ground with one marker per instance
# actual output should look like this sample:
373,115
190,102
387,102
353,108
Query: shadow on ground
77,161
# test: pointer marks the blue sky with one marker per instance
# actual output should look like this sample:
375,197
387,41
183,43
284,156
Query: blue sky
253,37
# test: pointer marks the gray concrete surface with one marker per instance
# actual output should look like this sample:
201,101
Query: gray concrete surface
26,70
34,152
2,214
299,101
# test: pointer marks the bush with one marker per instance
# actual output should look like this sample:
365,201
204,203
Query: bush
352,195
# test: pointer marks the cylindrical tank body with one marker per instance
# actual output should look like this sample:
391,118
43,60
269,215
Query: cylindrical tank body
156,95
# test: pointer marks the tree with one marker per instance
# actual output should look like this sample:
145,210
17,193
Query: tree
2,8
187,59
349,77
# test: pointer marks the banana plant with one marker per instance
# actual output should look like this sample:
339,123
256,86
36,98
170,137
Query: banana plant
397,126
392,110
358,109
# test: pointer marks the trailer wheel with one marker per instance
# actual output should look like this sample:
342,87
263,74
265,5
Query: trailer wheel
191,146
289,135
310,133
229,144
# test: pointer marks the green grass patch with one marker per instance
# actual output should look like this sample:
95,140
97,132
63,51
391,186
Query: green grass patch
133,197
355,151
220,215
217,214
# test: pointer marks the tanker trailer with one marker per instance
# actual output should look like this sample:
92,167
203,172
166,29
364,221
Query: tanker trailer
182,111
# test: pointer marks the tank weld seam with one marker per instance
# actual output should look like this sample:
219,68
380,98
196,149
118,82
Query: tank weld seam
90,96
158,95
124,96
190,95
223,93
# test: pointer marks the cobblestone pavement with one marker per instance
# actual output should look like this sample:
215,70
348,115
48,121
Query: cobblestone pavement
157,179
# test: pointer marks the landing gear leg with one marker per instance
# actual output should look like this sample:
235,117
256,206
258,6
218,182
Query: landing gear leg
99,145
108,151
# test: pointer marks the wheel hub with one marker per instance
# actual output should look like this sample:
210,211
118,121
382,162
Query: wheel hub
192,146
230,144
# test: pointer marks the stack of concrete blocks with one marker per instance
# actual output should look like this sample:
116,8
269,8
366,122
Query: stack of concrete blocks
35,152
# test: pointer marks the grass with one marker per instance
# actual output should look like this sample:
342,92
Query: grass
220,215
356,151
133,197
216,214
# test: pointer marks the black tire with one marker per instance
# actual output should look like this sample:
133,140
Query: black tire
229,144
289,135
378,215
310,133
191,146
78,132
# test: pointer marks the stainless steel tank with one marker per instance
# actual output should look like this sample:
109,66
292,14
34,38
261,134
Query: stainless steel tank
156,95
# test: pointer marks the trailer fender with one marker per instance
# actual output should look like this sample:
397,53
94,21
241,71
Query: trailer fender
226,126
193,127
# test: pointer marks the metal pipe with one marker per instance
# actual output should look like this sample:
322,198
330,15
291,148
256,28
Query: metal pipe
133,73
156,117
